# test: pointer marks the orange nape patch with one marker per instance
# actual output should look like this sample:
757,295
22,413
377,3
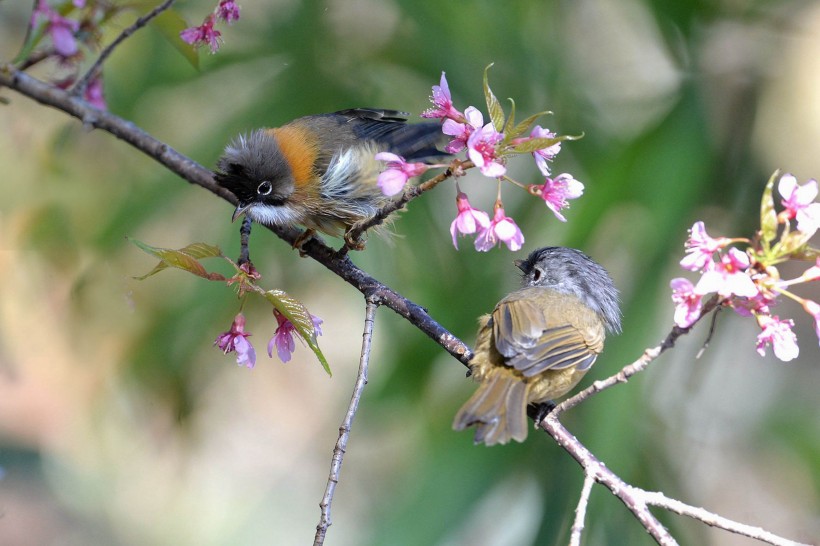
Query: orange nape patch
300,147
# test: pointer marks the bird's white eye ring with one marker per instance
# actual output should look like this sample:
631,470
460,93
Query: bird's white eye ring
536,275
264,188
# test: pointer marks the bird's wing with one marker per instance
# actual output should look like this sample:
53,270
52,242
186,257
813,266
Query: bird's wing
414,142
552,331
380,114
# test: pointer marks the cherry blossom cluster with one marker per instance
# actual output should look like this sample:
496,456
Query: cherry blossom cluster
292,317
68,28
206,33
236,339
743,273
488,146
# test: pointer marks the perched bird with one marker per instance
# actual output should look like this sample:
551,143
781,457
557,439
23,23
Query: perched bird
319,171
539,341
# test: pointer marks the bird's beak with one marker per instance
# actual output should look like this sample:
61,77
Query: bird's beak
240,210
518,264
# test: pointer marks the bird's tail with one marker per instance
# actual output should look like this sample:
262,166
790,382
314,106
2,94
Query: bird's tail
498,409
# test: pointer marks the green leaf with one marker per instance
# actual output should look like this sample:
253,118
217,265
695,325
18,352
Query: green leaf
170,23
508,127
530,146
768,216
793,242
295,311
808,254
493,106
32,40
525,125
185,258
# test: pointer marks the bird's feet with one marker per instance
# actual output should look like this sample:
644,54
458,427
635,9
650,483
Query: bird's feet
302,239
542,410
353,241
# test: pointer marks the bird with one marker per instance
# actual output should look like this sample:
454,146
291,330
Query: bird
319,171
538,342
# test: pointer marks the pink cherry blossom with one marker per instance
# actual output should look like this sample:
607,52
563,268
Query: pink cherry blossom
462,131
544,156
61,30
502,229
557,191
398,171
203,34
812,273
728,277
235,339
443,103
468,220
481,149
756,305
282,338
777,333
799,203
228,11
700,248
813,308
687,303
93,93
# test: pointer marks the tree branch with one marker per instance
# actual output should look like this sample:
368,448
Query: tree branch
344,430
581,511
594,467
195,173
713,520
639,365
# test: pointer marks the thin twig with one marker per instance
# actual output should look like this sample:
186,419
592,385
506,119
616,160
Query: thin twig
712,325
594,467
455,168
79,88
638,366
244,239
344,429
581,510
656,498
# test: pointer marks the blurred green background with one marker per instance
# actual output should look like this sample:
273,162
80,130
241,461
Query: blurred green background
121,424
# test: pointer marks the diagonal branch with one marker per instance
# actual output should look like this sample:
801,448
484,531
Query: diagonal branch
601,474
713,520
195,173
639,365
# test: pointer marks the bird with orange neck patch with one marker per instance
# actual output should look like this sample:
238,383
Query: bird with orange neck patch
319,171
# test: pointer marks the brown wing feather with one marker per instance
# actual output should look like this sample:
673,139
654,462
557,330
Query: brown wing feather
538,329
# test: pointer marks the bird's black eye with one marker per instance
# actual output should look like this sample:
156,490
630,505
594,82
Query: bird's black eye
536,275
264,188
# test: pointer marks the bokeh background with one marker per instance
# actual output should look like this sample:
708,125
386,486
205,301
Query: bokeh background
121,424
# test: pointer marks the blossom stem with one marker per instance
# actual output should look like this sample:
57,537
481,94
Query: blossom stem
453,169
787,293
79,88
515,182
